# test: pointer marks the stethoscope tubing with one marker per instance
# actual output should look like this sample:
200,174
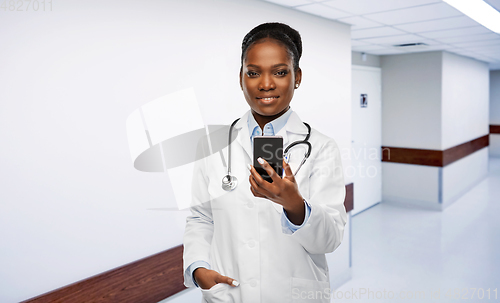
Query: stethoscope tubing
229,146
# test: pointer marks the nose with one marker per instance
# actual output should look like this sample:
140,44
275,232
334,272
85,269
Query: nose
266,83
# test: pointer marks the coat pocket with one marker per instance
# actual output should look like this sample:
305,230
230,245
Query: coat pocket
217,294
309,291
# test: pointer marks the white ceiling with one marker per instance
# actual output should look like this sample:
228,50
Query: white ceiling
379,25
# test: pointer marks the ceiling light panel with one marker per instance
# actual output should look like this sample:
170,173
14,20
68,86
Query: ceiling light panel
479,11
359,22
476,30
436,25
415,14
323,11
362,7
494,3
375,32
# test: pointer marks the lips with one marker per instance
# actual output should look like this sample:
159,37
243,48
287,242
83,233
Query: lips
268,98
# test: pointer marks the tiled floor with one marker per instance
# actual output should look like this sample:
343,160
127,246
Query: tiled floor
428,255
412,255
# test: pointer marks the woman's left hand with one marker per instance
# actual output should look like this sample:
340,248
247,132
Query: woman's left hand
282,191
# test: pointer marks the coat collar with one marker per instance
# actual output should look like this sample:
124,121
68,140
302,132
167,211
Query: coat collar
294,125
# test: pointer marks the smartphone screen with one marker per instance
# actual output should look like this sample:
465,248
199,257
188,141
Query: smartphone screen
269,148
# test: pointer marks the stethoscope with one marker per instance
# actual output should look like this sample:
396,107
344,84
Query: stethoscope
229,182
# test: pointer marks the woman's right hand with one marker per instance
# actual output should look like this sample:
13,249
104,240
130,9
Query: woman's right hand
207,278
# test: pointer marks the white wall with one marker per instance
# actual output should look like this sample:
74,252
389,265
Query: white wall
494,145
433,100
465,116
460,176
411,118
72,204
495,111
495,97
415,184
465,100
411,96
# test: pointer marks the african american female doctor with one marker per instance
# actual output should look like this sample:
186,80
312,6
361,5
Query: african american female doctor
266,242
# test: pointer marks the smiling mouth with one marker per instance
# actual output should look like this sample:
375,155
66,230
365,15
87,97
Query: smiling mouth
267,99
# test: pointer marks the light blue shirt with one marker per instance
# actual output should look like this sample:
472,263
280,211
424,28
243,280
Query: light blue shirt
270,129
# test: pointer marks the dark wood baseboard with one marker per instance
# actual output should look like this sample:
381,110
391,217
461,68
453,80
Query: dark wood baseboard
429,157
148,280
494,129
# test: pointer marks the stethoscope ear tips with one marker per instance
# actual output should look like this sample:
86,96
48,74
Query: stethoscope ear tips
229,182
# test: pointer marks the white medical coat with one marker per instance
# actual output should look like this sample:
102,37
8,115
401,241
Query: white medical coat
241,236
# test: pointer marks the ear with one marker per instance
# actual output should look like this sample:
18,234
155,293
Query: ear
241,79
298,76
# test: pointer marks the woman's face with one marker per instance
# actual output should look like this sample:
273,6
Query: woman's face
267,77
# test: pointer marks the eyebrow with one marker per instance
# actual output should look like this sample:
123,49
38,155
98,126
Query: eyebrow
274,66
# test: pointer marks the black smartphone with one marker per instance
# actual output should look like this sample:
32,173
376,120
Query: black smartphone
269,148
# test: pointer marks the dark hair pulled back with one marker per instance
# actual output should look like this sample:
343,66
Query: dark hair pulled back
280,32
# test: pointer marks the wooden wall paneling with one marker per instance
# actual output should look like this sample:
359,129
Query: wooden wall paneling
458,152
148,280
427,157
494,129
349,197
431,157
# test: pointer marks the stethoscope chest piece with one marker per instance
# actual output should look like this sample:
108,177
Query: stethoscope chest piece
229,182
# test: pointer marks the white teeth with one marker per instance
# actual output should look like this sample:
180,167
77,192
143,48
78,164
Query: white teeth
268,99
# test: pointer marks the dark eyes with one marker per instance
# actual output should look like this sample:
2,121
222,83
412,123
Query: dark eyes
280,73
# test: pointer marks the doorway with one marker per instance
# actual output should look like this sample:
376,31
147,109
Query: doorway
366,165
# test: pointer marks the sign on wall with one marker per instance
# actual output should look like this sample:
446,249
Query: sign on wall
363,100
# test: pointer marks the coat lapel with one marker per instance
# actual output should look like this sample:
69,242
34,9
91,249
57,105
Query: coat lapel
293,127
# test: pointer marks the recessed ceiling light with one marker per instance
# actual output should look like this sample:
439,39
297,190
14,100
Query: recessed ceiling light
479,11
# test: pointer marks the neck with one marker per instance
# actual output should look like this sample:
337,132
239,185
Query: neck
263,120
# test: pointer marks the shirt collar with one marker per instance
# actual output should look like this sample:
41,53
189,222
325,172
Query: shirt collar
276,125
